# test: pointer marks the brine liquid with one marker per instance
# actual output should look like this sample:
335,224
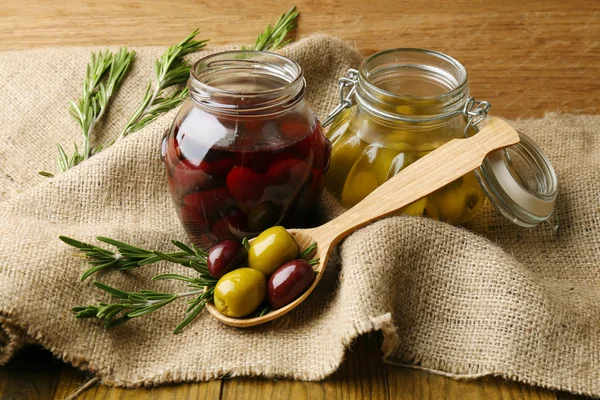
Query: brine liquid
365,155
236,185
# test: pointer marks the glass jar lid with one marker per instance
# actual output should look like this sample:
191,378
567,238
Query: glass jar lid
520,182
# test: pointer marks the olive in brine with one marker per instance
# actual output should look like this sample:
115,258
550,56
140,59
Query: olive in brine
263,216
225,257
289,282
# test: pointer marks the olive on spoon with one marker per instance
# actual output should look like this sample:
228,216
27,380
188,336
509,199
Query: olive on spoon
433,171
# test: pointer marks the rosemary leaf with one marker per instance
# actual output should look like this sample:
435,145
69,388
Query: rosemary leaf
95,97
192,314
260,311
128,257
115,292
314,261
274,38
309,251
172,276
137,304
170,69
246,244
183,247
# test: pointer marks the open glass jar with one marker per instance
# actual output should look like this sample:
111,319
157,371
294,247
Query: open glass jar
410,102
245,152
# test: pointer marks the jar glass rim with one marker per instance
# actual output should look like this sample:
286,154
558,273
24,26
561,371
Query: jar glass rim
290,71
461,82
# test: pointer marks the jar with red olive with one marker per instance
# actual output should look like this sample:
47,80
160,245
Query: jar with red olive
245,152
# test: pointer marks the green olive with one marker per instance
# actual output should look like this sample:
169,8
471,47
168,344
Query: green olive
240,292
372,168
385,163
271,249
262,216
431,209
358,186
407,110
339,125
415,208
361,179
344,153
458,201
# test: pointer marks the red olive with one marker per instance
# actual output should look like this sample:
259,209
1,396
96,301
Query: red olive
291,172
288,282
225,257
184,180
211,203
245,185
196,226
231,225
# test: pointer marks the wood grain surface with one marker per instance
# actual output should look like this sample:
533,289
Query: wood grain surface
526,58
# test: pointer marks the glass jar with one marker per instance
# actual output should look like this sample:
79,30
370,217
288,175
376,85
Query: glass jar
245,152
408,103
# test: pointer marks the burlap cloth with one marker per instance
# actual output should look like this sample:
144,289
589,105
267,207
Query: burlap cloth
491,299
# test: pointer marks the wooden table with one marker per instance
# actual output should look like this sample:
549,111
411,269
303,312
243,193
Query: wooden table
526,59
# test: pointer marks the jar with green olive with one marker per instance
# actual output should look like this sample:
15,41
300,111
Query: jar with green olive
408,103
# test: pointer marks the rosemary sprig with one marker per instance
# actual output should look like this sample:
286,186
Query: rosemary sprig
128,257
170,69
92,105
274,38
119,66
138,304
309,251
87,108
264,309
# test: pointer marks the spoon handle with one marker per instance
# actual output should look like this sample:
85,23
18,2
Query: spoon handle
437,169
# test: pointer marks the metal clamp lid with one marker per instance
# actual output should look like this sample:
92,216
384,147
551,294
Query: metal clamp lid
474,110
347,89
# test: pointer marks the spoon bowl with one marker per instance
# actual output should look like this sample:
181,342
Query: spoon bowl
431,172
303,237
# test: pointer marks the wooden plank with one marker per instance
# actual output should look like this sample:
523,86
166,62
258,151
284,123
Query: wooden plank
71,379
569,396
509,49
31,374
412,384
362,376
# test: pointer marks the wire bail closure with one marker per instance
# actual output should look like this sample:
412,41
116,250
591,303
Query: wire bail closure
474,110
347,84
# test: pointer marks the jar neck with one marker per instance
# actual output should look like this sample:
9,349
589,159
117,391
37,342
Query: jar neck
244,82
412,86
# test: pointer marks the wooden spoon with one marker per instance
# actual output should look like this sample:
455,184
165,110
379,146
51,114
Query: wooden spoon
438,168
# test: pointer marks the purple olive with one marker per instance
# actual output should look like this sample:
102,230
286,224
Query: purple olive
225,257
289,282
